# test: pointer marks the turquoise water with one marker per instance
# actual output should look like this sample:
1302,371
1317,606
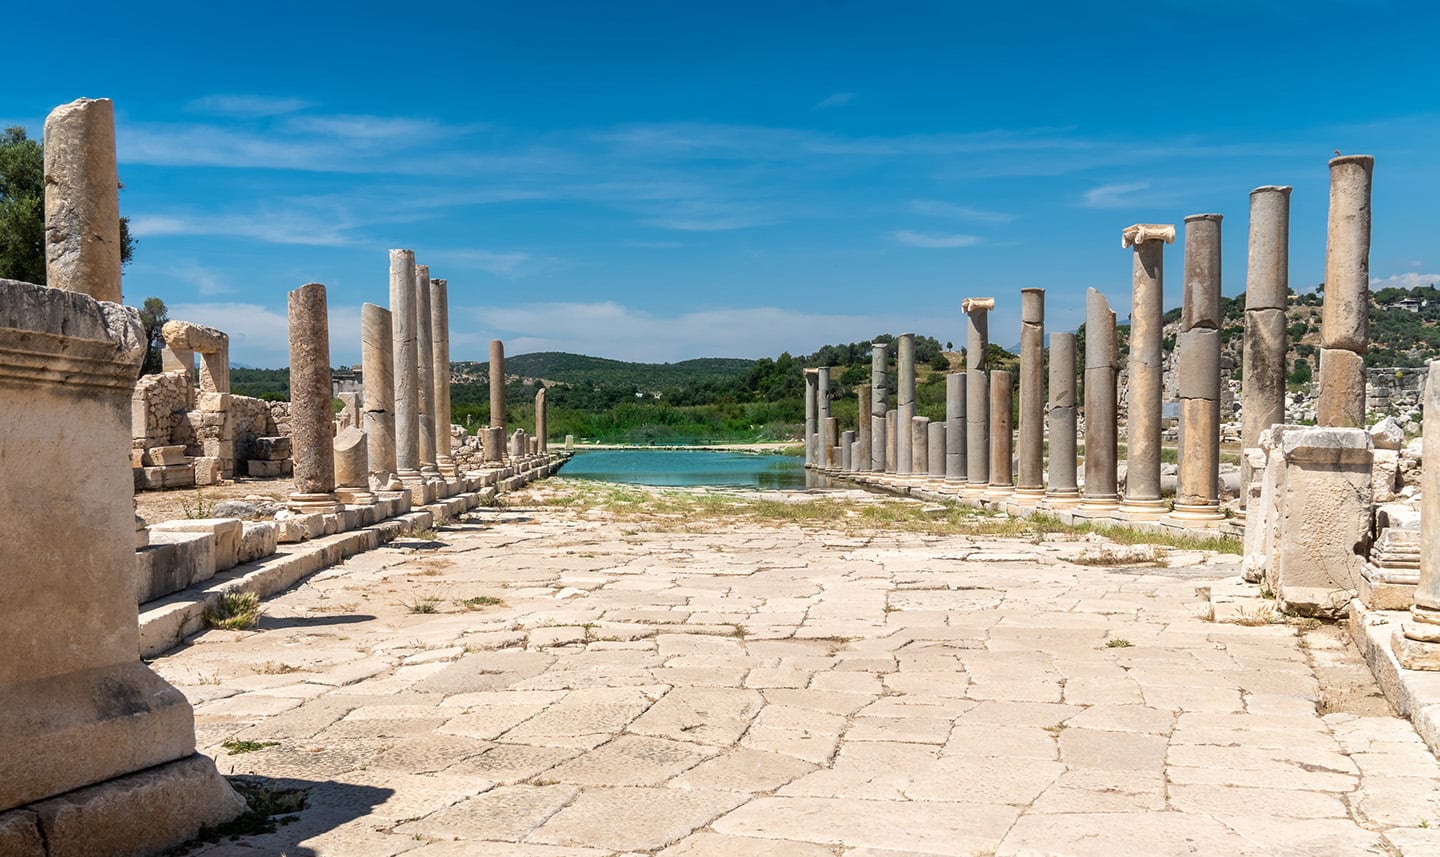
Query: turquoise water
689,467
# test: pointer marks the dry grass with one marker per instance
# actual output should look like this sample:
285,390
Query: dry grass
235,611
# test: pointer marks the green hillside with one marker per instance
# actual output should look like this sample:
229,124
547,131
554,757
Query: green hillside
565,368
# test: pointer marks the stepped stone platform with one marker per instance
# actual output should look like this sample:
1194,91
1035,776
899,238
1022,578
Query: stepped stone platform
603,671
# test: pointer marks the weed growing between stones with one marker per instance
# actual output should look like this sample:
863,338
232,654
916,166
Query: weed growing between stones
1118,643
235,611
202,507
424,605
235,747
267,808
480,601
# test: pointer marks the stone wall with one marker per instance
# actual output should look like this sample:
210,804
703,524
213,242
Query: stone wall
207,435
158,410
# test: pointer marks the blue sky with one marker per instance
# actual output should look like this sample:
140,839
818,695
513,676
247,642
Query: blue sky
660,181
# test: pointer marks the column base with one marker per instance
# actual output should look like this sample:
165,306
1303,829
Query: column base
310,504
447,467
1197,512
1143,510
409,478
1029,496
1062,498
1101,505
1417,643
999,492
355,496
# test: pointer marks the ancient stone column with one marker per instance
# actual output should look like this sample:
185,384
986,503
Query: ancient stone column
811,419
1417,642
936,454
352,468
892,434
312,423
1267,289
492,444
1147,311
1100,423
440,343
955,428
541,418
1062,492
831,430
425,366
378,376
904,403
822,415
920,446
862,426
1198,361
1030,467
1001,453
878,403
1345,314
407,392
497,385
82,200
847,442
977,392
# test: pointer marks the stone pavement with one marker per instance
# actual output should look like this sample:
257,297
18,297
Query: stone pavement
671,687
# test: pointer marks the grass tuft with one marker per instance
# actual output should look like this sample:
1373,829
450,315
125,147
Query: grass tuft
235,611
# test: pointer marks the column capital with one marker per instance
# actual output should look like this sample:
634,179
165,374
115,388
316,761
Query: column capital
970,305
1139,233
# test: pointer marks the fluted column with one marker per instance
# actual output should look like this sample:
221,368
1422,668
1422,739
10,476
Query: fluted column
1198,360
904,403
312,422
977,393
822,415
1099,494
1030,467
1147,312
82,200
955,428
1002,406
440,342
403,322
1267,290
378,374
812,443
879,402
1345,315
1062,492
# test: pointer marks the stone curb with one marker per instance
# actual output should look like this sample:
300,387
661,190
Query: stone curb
1415,694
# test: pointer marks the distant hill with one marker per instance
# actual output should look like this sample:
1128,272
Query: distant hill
578,369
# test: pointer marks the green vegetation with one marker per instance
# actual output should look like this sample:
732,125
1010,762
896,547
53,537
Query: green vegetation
235,611
482,601
234,747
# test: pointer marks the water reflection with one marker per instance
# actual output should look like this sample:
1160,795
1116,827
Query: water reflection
685,467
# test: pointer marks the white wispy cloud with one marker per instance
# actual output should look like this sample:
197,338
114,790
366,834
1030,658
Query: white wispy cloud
1408,280
207,281
277,226
260,335
839,99
1122,195
248,105
924,239
938,208
511,264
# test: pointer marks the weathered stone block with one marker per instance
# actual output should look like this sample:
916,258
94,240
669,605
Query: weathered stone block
225,533
265,469
177,476
165,456
1198,364
20,835
174,560
270,448
1341,401
258,539
207,470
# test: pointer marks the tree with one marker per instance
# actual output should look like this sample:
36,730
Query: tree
153,316
22,210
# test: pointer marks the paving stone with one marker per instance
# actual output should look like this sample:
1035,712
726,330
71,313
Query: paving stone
634,818
930,828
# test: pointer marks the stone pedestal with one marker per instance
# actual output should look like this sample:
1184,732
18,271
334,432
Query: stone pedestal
904,403
955,428
1062,492
312,427
407,379
1002,406
1345,314
1417,642
1267,286
977,392
440,344
812,419
1197,497
378,374
822,416
1030,453
920,447
879,403
1099,494
497,385
1147,311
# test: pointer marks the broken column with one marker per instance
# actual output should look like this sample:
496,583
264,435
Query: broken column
822,416
407,392
1197,497
82,200
1417,642
1345,315
955,428
977,393
920,446
1062,492
1030,470
812,426
904,403
1099,494
425,372
99,750
378,376
862,427
878,404
1267,290
541,419
497,385
936,453
1147,311
352,468
312,424
1001,408
847,443
440,343
832,430
892,434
